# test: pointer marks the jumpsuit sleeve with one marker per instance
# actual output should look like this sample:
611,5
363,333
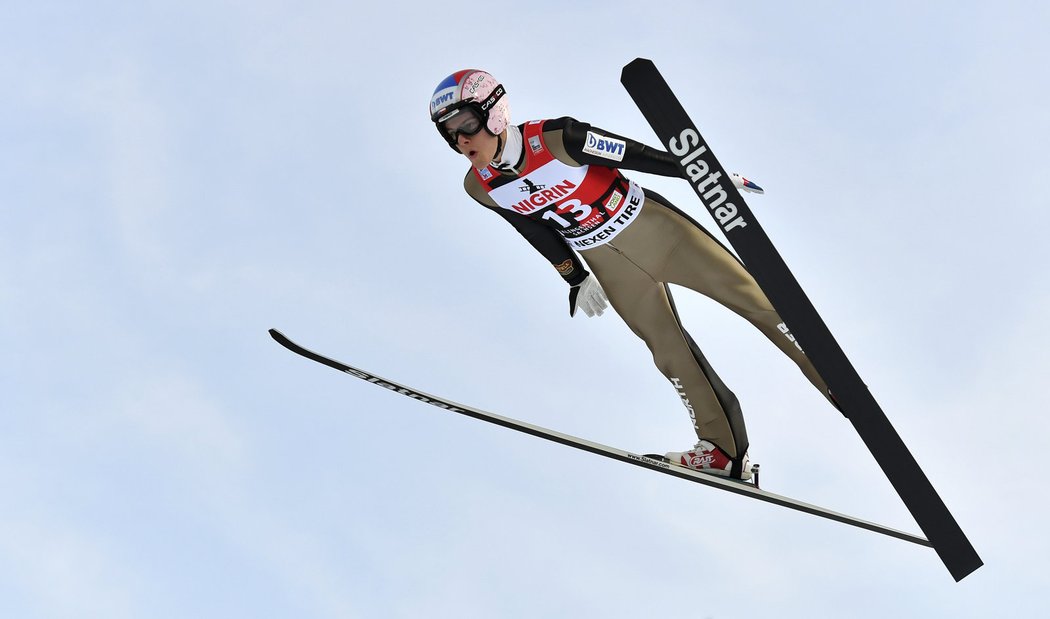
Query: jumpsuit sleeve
567,138
547,241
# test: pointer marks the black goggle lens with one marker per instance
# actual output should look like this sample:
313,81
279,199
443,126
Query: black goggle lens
465,121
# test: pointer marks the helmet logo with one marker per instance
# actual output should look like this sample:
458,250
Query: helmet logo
441,98
493,98
475,84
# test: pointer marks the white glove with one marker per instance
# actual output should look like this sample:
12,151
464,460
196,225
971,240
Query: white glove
588,296
746,185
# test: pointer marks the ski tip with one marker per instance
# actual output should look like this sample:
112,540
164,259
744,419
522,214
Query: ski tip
638,64
284,340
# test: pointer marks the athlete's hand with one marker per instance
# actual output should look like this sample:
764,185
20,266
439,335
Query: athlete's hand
588,296
745,184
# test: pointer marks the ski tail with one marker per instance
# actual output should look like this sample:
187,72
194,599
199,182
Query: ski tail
697,162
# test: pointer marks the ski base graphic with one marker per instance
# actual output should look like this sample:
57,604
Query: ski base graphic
649,462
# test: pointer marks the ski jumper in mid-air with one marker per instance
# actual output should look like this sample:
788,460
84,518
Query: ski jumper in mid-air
559,183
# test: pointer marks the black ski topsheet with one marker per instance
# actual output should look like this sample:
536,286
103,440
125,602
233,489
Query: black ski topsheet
654,463
720,197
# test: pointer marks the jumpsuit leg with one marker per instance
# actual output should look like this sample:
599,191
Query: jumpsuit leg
697,261
646,306
664,246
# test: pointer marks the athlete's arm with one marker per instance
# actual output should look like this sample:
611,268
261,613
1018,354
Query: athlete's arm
579,143
575,142
543,239
548,242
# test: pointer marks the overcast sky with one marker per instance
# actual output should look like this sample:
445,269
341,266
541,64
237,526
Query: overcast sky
178,177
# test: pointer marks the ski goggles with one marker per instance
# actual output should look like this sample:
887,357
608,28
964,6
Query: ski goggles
466,120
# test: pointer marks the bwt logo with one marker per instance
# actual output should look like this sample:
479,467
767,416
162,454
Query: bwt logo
441,99
606,145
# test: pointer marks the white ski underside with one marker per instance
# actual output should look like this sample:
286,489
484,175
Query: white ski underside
736,487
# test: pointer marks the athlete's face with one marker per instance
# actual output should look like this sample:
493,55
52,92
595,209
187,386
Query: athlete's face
479,148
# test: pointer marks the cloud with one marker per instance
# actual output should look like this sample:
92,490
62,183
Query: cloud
59,569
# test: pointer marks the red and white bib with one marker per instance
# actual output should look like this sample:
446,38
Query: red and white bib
588,205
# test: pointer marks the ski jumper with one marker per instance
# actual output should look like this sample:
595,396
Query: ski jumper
566,194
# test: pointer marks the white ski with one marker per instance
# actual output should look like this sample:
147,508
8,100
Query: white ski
653,463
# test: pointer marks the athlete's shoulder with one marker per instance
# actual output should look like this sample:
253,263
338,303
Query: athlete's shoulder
475,190
559,124
550,124
565,138
471,184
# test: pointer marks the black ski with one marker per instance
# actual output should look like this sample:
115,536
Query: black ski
653,463
677,132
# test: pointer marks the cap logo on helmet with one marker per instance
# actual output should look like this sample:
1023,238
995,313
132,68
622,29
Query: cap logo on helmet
475,84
